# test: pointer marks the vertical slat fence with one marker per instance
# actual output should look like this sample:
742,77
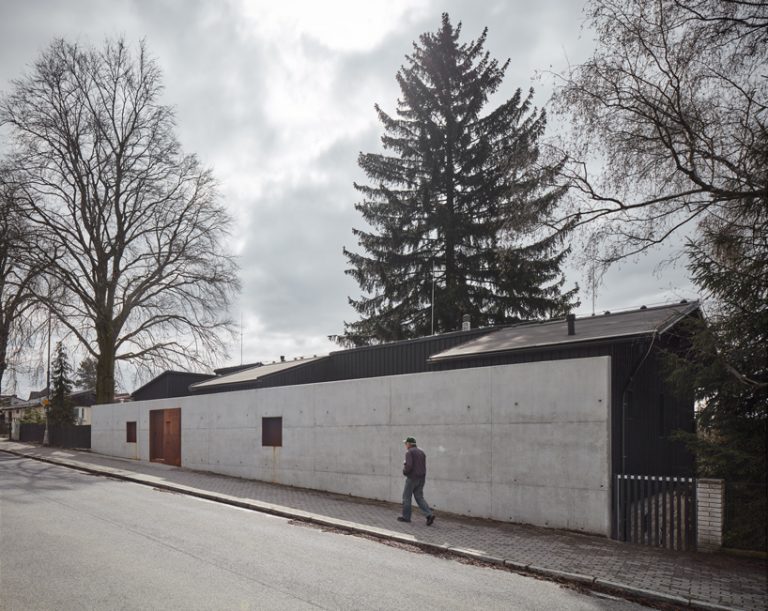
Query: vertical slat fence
657,511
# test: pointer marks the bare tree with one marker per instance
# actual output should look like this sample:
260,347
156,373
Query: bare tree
19,275
669,121
136,225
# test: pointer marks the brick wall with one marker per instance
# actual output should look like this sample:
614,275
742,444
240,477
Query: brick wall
710,496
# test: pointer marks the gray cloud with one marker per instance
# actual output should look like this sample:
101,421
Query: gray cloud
287,173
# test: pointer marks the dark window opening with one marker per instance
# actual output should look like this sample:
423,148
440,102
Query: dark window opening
272,431
130,432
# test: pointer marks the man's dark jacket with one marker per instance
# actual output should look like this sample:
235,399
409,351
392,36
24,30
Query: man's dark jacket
415,464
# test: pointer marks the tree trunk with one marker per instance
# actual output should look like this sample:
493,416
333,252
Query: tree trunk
3,354
105,366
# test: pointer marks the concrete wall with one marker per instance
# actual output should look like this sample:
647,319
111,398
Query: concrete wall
523,443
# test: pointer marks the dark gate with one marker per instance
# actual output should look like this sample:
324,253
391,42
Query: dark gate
70,436
165,436
655,510
172,437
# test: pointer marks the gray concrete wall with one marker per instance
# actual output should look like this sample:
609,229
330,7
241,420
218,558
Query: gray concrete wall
523,443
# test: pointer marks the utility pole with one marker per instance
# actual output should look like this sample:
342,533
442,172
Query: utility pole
433,297
48,383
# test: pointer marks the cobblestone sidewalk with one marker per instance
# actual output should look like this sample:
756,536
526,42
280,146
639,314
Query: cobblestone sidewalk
711,581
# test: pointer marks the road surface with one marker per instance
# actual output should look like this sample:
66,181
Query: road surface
69,540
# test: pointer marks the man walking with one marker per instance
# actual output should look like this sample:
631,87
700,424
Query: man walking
415,471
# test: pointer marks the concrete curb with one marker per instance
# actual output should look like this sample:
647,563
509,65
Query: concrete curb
587,581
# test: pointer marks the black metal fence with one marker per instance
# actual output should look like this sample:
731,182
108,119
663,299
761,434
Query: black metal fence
31,432
68,436
655,510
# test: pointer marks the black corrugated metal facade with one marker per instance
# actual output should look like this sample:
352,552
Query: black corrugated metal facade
396,358
408,356
169,384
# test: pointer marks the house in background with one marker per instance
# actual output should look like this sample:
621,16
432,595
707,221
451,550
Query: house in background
10,408
82,400
526,423
15,409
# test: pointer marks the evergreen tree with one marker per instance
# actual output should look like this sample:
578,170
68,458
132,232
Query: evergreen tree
727,364
85,378
61,409
457,201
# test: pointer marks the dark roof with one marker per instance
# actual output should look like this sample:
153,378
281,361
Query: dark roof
253,374
38,394
83,398
458,335
223,371
168,384
608,326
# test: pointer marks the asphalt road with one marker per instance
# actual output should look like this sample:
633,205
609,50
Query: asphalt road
74,541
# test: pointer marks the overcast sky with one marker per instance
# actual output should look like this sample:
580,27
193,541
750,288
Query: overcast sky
277,97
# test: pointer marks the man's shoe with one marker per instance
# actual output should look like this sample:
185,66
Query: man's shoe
402,519
430,519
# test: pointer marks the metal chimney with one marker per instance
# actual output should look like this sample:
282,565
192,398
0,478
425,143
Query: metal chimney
571,320
465,324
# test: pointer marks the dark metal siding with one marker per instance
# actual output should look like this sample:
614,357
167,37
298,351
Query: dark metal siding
408,356
309,373
169,384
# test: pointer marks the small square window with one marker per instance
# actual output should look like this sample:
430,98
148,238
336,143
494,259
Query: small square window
130,432
272,432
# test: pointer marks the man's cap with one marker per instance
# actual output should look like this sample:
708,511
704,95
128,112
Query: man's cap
409,440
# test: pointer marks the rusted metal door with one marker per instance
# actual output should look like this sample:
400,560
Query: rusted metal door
165,436
172,437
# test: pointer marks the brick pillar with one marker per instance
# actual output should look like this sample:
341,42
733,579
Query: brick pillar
710,500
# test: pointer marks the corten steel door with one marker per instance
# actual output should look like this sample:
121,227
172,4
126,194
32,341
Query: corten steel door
172,437
165,436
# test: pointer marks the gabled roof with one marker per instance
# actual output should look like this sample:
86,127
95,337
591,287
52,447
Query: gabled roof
641,322
253,374
83,398
38,394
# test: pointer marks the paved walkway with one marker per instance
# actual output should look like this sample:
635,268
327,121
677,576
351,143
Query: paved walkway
708,581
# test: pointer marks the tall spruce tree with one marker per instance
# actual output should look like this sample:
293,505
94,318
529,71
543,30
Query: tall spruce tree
61,409
454,207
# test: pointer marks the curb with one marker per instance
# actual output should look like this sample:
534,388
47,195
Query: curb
630,592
